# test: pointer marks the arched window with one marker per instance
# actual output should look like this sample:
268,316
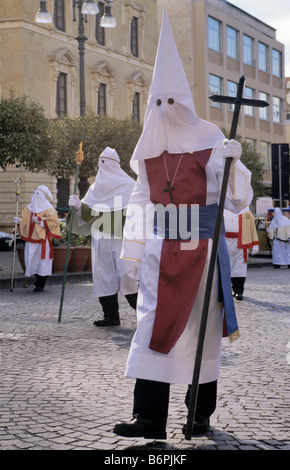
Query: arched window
59,15
137,89
100,31
103,86
136,107
134,37
61,96
62,79
102,99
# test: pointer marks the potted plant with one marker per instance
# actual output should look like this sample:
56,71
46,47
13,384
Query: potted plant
79,252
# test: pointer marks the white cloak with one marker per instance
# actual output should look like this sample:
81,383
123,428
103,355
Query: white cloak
34,263
237,262
281,242
177,365
110,193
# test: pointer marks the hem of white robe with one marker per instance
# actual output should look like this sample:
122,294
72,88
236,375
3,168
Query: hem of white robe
113,292
180,374
39,272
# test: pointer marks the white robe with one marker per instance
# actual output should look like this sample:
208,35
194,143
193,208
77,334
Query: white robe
281,249
281,252
108,269
109,193
177,365
34,263
238,264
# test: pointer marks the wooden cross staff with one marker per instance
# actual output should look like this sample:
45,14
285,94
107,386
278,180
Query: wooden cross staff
237,101
18,192
78,159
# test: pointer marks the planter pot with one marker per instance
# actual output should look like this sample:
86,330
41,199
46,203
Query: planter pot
79,258
88,265
58,263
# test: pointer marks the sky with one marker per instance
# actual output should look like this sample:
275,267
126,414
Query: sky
275,13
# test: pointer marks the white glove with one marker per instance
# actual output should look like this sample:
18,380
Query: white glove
35,219
232,148
74,201
255,249
16,220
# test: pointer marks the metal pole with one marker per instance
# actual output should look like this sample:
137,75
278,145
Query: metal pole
18,183
79,159
204,315
280,175
81,38
238,101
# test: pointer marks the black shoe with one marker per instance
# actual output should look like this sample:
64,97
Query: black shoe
200,426
139,427
132,300
38,289
107,322
239,297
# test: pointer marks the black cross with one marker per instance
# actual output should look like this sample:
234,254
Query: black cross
169,190
238,101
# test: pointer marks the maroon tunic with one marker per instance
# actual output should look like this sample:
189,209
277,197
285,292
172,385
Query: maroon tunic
180,270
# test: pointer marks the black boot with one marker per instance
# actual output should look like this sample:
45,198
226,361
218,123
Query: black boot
132,300
110,307
39,283
205,406
150,411
238,287
140,427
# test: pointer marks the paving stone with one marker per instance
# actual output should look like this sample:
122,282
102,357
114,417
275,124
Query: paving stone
63,384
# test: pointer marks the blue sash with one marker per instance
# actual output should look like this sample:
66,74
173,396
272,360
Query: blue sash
204,228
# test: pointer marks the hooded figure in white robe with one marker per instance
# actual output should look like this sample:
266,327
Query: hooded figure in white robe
241,238
279,234
179,160
38,225
101,214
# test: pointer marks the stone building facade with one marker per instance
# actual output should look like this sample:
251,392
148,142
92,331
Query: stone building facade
42,62
217,42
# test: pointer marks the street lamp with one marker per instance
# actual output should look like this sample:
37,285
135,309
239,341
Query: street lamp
86,7
107,20
90,8
83,6
42,16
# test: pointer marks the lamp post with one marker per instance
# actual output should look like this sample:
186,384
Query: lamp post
107,20
81,38
85,7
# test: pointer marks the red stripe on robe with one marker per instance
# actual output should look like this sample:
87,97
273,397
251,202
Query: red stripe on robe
180,270
42,241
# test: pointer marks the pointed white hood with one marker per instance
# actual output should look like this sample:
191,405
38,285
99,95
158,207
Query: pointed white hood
39,203
279,220
112,187
172,127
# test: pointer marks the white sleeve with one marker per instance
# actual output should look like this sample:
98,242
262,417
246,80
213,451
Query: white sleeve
239,190
139,218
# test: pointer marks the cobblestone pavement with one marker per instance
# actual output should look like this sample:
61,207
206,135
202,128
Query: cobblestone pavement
63,385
